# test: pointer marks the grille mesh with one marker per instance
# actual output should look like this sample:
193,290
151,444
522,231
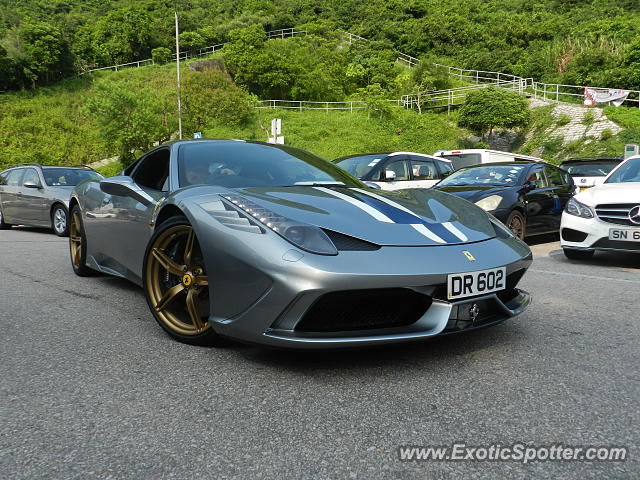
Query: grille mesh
364,309
617,213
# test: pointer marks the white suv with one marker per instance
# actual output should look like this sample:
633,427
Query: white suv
605,217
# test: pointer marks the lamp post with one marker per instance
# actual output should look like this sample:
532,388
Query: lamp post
178,70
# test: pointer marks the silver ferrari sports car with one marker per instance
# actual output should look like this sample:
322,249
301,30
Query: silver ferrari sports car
270,244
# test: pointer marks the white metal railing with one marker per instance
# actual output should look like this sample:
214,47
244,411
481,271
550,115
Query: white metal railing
300,105
554,92
282,33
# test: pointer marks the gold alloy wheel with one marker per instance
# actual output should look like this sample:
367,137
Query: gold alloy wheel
516,226
75,240
176,281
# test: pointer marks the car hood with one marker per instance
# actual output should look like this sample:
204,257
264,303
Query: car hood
473,193
628,192
413,217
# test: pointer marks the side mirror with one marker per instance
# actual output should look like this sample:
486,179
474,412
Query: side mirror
529,186
125,187
389,175
31,185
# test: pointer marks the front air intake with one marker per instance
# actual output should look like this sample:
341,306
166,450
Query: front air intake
364,310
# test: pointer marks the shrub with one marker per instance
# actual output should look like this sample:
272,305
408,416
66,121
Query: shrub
563,119
589,117
606,134
483,110
161,55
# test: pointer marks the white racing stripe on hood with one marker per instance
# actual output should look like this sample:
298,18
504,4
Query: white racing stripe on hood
453,229
357,203
448,225
385,200
420,228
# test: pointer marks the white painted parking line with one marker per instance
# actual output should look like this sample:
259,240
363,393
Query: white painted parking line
580,275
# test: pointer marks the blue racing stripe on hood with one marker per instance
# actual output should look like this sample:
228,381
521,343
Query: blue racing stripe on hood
403,217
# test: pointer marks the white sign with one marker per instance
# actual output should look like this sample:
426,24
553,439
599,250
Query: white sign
276,130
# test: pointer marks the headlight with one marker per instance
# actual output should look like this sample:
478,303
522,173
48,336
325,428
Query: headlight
578,209
307,237
489,203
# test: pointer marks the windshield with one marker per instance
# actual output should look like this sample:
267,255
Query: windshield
589,169
237,164
629,171
489,174
67,177
461,160
361,165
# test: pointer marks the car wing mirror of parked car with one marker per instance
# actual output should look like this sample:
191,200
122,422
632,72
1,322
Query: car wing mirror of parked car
125,187
389,175
31,185
529,186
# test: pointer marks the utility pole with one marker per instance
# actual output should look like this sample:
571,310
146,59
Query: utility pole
178,69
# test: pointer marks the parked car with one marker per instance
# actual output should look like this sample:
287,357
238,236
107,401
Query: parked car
397,170
587,172
270,244
38,196
476,156
605,217
528,197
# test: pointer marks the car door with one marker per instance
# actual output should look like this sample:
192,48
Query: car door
128,219
31,202
395,174
10,195
539,201
562,188
424,173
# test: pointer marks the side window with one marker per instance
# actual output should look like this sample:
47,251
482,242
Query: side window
537,176
13,179
445,168
424,170
3,178
31,175
153,170
554,177
400,168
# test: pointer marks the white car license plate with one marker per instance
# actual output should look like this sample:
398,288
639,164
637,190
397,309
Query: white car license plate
469,284
625,234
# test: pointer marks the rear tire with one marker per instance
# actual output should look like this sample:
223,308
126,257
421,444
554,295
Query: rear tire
578,254
176,284
3,225
517,224
78,244
60,221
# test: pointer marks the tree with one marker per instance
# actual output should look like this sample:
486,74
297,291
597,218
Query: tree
191,41
483,110
131,118
211,97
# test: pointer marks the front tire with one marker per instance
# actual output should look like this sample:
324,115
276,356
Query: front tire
176,284
517,224
60,221
578,254
3,225
78,244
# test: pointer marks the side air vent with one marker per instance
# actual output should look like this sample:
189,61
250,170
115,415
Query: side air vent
347,243
230,218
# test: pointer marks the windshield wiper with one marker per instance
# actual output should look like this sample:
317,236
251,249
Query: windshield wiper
318,184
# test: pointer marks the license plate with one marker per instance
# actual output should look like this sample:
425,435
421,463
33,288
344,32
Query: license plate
469,284
624,234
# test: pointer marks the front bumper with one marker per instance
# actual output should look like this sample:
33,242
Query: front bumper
280,289
592,234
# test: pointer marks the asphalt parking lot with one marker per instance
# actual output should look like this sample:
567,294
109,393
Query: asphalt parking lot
92,388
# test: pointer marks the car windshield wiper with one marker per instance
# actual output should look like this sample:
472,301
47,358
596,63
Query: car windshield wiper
318,184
